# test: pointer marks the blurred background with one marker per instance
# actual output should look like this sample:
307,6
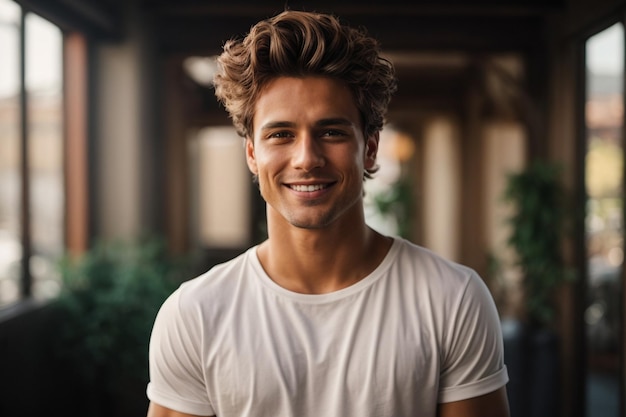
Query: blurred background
121,176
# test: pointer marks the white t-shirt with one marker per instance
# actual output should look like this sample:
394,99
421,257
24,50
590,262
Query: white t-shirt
417,331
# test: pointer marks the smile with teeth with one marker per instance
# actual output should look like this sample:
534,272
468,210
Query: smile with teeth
308,188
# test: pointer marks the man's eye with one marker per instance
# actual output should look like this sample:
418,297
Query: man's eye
280,135
333,133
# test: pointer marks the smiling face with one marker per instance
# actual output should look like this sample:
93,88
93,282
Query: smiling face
309,152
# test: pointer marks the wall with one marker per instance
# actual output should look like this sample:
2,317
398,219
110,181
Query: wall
125,151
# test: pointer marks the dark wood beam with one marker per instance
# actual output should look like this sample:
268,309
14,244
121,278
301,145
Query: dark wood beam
99,19
206,35
255,9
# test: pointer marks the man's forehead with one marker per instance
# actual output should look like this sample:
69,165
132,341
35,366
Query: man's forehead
322,99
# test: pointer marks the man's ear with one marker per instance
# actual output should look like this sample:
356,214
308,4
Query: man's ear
250,156
371,150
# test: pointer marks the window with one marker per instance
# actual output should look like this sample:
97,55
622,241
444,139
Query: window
604,183
31,155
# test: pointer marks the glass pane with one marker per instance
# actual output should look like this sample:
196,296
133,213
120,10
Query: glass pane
604,224
44,53
10,247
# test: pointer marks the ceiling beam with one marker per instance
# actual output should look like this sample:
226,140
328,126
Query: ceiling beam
206,35
98,19
352,7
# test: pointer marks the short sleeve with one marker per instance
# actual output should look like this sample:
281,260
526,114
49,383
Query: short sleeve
473,354
176,376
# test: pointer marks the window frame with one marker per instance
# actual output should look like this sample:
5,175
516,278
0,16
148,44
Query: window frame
75,151
579,227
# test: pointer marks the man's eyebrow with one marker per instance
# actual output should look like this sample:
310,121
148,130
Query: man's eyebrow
274,125
338,121
333,121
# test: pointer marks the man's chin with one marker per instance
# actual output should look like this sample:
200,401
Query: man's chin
310,223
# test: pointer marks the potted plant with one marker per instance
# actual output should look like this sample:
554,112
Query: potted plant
396,201
110,298
538,226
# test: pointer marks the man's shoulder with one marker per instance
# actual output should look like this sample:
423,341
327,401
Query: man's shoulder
427,261
422,273
218,278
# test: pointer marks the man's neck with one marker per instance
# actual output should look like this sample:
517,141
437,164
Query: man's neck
317,261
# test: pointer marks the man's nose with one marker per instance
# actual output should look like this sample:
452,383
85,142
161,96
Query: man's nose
308,153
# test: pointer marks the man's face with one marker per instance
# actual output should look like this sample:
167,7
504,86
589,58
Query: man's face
309,152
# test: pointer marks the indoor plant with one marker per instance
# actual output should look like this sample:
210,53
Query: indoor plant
110,298
538,226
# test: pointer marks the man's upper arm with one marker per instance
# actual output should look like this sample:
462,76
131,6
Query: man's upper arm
473,353
176,373
495,404
156,410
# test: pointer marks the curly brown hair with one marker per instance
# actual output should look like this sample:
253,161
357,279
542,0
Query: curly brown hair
298,44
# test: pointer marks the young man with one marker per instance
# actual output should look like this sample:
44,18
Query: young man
327,317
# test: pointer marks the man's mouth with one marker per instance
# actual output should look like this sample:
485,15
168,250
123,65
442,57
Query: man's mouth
308,188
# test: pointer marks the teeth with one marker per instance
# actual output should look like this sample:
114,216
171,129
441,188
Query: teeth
308,188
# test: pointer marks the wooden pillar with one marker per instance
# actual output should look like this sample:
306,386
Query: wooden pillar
76,144
176,178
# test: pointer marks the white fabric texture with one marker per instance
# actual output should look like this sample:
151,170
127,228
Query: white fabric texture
417,331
